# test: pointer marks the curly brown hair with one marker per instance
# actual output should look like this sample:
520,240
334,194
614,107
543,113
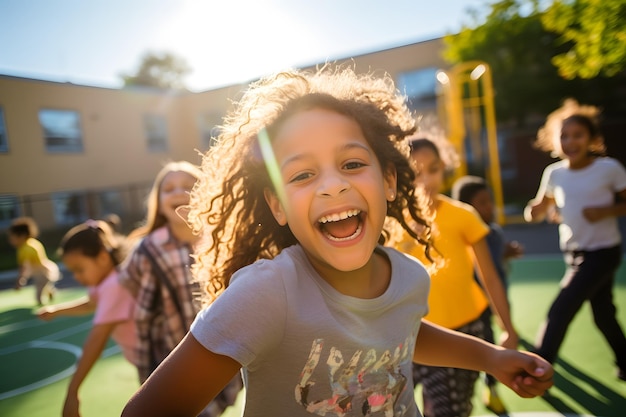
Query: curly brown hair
549,135
228,206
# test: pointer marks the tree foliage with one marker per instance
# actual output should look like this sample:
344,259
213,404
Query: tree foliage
596,33
521,51
161,70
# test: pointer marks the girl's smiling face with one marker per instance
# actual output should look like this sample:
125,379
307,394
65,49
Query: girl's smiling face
335,190
429,171
576,142
174,195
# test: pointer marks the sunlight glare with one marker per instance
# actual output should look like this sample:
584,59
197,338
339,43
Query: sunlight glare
257,39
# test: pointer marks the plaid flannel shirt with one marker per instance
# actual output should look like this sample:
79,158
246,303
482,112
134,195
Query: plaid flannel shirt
160,326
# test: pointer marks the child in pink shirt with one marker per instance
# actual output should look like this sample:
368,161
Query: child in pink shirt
92,253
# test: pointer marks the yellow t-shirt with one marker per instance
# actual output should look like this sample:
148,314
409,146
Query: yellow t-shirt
455,297
32,256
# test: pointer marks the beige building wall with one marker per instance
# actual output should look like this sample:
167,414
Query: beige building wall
115,149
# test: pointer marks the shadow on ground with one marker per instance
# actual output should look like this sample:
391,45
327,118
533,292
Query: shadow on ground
569,379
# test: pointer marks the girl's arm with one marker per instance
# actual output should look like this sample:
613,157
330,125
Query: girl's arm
184,383
525,373
538,208
79,307
495,292
593,214
92,348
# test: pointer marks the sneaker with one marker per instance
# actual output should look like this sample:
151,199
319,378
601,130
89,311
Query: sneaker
492,401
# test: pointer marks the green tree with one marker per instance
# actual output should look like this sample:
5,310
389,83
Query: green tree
511,37
161,70
595,31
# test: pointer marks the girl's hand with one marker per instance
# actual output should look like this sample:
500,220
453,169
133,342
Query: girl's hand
70,408
593,214
19,283
528,374
513,249
553,215
46,313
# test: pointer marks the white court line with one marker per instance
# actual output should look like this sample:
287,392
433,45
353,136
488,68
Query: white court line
8,328
25,324
50,342
46,344
541,414
51,337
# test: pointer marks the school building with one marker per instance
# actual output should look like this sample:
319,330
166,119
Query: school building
72,152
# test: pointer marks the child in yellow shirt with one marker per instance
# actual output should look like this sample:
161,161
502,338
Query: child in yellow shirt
32,260
456,301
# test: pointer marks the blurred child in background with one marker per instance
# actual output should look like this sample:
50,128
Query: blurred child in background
474,191
158,274
456,301
91,252
32,260
585,192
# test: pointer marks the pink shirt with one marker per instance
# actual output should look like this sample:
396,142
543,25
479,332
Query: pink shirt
114,304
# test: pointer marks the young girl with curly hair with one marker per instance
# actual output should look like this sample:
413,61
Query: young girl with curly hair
323,319
585,192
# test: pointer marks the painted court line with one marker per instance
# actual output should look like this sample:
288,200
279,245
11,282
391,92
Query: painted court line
25,324
541,414
51,337
51,343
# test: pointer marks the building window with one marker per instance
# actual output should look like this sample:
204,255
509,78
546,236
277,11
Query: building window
61,129
156,132
9,209
69,208
209,129
4,140
109,202
420,87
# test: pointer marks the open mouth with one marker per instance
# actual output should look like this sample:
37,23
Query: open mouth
340,227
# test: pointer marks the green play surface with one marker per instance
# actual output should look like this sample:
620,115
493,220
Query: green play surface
37,358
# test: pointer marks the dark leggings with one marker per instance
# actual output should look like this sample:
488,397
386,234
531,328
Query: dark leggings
448,391
590,275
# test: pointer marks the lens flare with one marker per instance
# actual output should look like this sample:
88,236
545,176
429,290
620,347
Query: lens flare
272,166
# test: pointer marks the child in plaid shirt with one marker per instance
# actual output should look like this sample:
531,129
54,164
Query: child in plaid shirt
157,272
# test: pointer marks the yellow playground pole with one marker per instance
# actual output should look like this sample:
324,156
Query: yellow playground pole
468,106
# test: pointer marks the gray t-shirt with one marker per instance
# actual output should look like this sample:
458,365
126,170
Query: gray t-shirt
309,350
575,189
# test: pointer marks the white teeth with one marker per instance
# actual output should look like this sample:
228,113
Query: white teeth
339,216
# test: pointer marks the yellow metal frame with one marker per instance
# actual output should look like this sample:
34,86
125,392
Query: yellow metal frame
473,78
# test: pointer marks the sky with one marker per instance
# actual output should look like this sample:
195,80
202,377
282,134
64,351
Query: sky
94,42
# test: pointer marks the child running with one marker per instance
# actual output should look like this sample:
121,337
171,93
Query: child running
158,274
585,192
92,254
157,271
32,260
322,318
456,301
474,191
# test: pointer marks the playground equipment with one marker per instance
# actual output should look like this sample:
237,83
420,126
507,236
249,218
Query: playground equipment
466,111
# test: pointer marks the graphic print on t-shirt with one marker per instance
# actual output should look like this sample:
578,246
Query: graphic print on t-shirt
370,381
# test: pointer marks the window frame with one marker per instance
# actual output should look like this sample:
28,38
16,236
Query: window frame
4,135
76,131
155,129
